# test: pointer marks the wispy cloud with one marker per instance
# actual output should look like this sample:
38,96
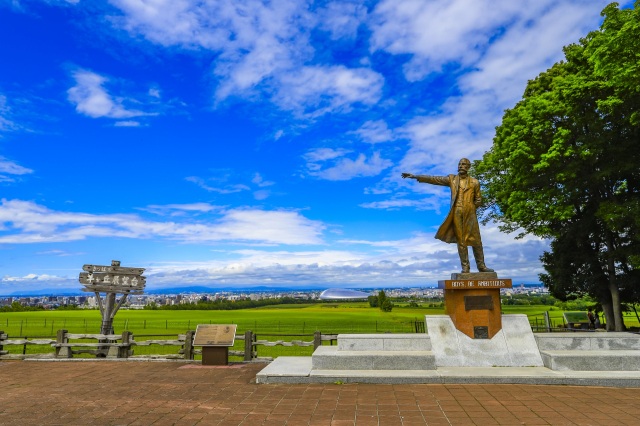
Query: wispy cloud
181,209
58,253
324,154
395,204
226,189
264,48
221,183
92,99
24,222
6,123
9,169
488,50
259,181
374,131
331,164
419,260
318,90
127,123
342,19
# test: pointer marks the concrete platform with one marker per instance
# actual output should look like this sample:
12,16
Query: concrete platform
299,370
332,358
384,342
587,341
600,360
595,351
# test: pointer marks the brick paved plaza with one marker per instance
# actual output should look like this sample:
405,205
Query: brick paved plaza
166,393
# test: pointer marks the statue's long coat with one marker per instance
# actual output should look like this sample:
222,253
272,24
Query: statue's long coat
471,199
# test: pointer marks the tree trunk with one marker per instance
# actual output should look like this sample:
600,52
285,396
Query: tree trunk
616,308
613,287
607,309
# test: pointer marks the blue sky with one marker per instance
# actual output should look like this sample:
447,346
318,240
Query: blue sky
239,143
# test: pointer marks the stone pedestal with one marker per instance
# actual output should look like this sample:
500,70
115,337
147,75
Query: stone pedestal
512,346
215,355
472,301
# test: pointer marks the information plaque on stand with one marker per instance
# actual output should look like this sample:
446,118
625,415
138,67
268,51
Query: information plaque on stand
215,340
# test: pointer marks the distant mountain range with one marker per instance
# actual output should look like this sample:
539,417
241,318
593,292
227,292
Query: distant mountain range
168,290
204,289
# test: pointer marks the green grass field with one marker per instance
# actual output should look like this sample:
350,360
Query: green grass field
269,323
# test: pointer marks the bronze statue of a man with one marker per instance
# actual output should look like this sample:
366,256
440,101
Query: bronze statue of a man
461,225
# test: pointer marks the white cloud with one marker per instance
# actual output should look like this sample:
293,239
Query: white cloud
342,19
6,124
416,261
493,48
328,165
263,48
441,32
32,278
127,123
318,90
181,209
323,154
395,204
26,222
262,194
93,100
12,168
259,181
227,189
59,253
9,169
375,132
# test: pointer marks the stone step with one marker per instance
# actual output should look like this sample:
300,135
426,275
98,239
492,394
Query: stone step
592,360
331,358
384,342
587,341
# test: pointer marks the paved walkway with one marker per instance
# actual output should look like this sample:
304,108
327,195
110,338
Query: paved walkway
163,393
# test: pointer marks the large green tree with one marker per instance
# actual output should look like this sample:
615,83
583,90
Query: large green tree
565,165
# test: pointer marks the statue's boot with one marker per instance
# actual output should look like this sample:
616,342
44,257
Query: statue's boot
464,258
478,253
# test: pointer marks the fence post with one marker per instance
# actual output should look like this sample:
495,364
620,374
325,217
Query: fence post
547,321
124,351
317,340
24,347
2,337
188,345
248,345
61,337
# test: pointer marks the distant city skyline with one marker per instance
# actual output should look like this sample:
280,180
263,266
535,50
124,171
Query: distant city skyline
257,143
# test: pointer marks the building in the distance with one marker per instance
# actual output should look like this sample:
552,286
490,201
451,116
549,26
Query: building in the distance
342,294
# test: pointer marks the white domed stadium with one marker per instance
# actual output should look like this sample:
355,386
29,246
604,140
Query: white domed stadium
342,294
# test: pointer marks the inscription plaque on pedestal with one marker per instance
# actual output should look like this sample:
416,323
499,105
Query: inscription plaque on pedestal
473,303
480,332
215,335
478,303
215,340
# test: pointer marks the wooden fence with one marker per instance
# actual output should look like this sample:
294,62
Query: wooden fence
66,345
